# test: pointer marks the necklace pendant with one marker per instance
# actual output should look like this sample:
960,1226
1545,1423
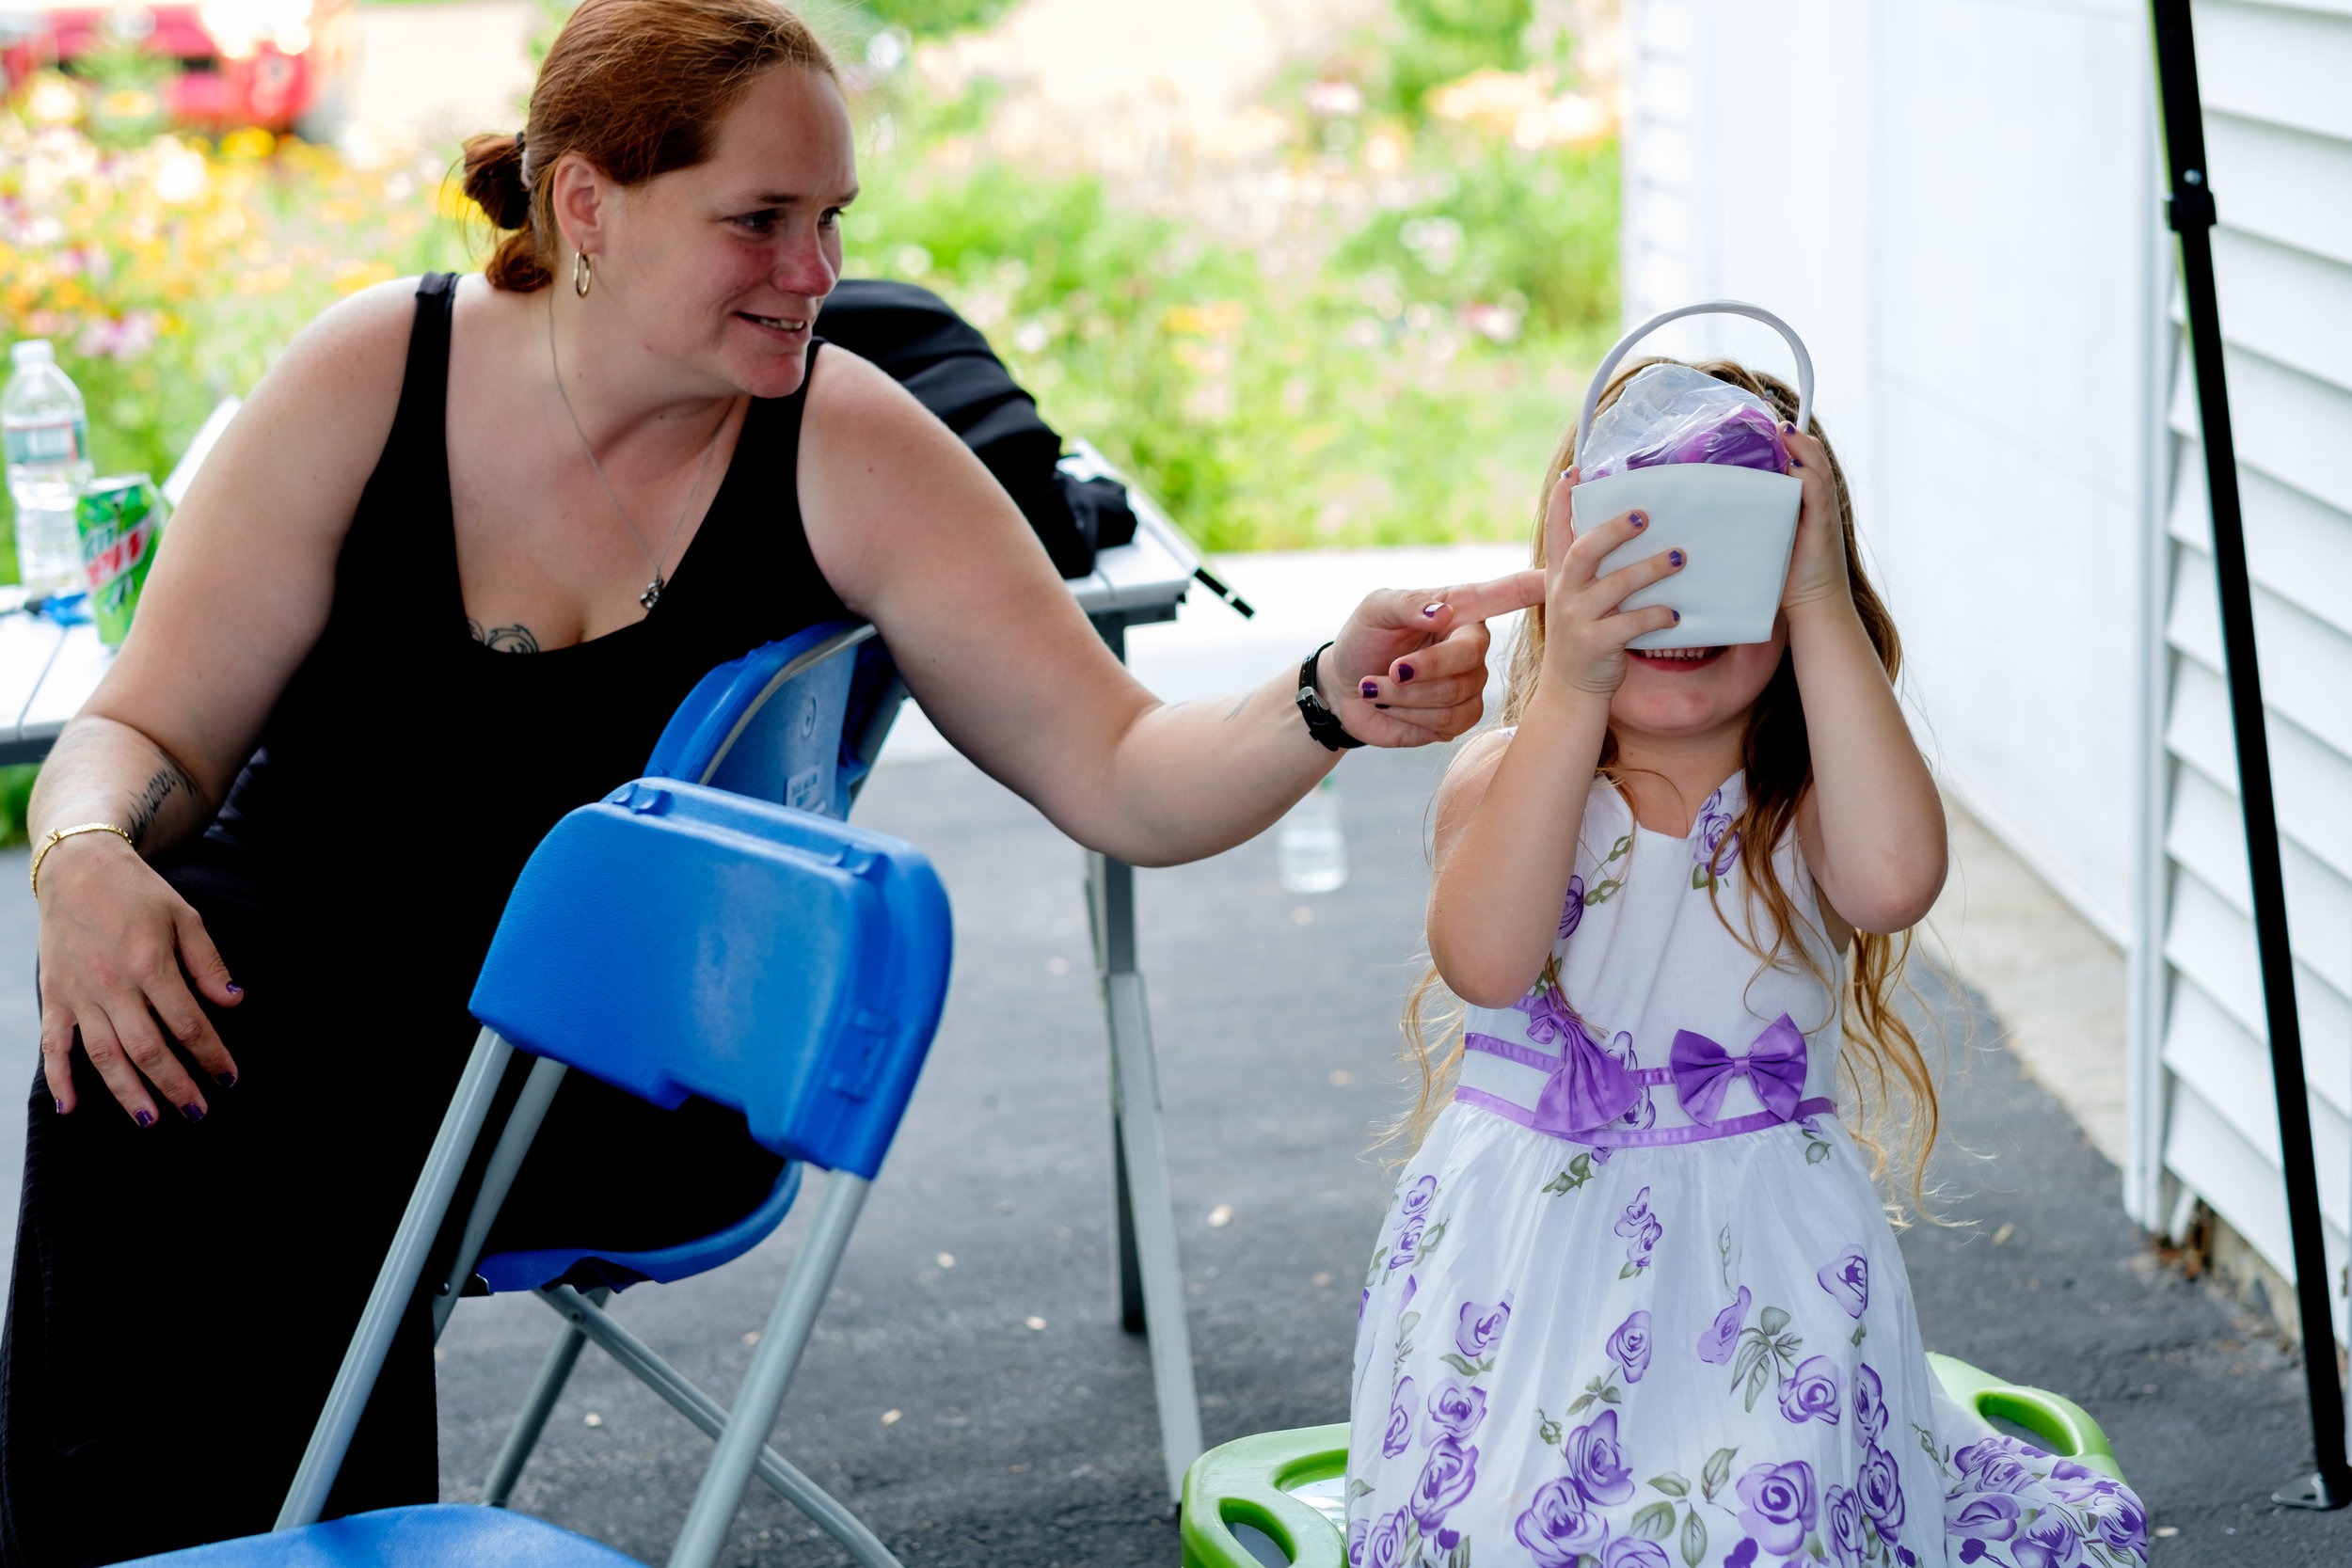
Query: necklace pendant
652,596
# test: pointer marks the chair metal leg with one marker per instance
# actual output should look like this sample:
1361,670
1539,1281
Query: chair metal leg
498,1179
782,1477
523,1436
1141,1182
756,1406
396,1281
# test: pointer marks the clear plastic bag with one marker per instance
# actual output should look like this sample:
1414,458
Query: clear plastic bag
1673,414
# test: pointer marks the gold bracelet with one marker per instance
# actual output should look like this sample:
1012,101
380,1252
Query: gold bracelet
59,835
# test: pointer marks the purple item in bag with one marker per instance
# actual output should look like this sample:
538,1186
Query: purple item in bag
1673,414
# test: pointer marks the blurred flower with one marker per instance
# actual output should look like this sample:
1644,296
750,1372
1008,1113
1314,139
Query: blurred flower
1334,98
1522,104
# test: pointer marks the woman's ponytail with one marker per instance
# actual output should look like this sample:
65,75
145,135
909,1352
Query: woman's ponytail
494,179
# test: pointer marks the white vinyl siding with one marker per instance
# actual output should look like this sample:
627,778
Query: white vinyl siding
2279,128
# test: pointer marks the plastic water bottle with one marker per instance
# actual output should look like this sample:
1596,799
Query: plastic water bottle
1311,850
47,435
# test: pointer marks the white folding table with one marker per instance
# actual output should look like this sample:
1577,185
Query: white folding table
47,671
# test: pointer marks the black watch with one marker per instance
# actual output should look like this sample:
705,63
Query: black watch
1321,721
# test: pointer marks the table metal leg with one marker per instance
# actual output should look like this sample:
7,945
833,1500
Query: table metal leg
1145,1217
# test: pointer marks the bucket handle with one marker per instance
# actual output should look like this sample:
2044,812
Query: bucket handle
1708,307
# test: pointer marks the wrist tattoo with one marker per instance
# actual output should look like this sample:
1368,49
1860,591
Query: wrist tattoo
516,639
169,779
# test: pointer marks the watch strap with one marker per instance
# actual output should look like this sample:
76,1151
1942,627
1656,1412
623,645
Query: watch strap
1321,721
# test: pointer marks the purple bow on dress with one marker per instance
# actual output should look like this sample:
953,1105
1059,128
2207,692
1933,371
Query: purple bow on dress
1586,1091
1774,1066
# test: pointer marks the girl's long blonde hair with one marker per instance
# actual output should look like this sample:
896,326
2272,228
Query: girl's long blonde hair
1882,1056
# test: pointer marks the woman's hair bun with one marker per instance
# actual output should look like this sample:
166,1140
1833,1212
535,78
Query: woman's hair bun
494,177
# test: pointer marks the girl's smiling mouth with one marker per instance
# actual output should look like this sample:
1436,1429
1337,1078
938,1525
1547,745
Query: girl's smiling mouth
784,326
1678,658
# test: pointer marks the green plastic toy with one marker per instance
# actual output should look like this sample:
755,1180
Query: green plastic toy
1275,1498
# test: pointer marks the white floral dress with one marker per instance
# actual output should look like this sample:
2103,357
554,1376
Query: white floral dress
1637,1304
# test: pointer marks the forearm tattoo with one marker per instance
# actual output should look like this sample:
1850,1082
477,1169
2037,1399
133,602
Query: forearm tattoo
516,639
169,779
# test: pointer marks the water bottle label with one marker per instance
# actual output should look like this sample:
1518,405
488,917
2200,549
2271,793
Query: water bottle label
39,444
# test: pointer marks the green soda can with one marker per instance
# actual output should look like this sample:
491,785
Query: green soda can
119,520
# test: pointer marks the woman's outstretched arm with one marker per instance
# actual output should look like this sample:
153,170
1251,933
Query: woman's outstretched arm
914,534
1871,827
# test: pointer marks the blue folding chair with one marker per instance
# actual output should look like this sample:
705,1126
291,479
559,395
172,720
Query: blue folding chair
671,939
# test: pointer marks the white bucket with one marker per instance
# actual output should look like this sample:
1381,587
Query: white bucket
1736,524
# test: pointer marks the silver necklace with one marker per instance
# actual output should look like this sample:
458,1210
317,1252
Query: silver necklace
652,596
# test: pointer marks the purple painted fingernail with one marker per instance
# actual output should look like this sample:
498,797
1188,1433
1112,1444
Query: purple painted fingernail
233,988
1637,519
1678,615
145,1118
225,1080
1404,673
1674,558
60,1108
1796,462
1788,429
1372,690
1432,610
192,1111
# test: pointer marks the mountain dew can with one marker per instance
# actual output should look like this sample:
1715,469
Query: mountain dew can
119,520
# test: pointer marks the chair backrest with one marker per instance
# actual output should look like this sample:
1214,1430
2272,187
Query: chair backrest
798,720
676,939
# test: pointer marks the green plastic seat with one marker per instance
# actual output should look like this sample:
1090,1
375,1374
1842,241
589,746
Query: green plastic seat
1275,1498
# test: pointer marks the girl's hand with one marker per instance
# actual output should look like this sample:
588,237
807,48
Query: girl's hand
113,939
1817,566
1584,632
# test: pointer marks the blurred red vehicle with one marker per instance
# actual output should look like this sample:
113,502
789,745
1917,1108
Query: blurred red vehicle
240,62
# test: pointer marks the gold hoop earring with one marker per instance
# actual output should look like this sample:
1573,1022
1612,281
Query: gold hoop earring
584,274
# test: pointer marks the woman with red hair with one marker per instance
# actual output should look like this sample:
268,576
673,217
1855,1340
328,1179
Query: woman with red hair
274,846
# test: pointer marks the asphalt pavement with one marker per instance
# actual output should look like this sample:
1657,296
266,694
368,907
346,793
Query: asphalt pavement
968,1390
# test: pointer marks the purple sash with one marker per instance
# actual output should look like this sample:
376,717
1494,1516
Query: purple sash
1586,1089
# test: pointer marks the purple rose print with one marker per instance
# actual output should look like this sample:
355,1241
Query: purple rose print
1405,1299
1362,1302
1991,1518
1717,1343
1811,1393
1454,1411
1869,1406
1881,1486
1355,1534
1399,1436
1594,1462
1742,1556
1385,1547
2123,1523
1481,1326
1841,1521
1407,1238
1572,914
1632,1551
1641,1229
1718,837
1446,1478
1847,1278
1992,1464
2049,1542
1778,1506
1629,1346
1417,1197
1560,1526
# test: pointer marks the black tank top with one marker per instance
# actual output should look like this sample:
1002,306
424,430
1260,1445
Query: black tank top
363,856
403,737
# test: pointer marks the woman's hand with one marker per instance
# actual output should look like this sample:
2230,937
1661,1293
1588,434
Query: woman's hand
1585,631
114,937
1410,665
1817,564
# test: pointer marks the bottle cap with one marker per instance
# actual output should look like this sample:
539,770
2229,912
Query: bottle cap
32,351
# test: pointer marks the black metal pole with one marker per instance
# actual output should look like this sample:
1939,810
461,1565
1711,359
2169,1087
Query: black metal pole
2192,213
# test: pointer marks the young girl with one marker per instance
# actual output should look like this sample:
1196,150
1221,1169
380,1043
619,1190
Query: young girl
1638,1303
